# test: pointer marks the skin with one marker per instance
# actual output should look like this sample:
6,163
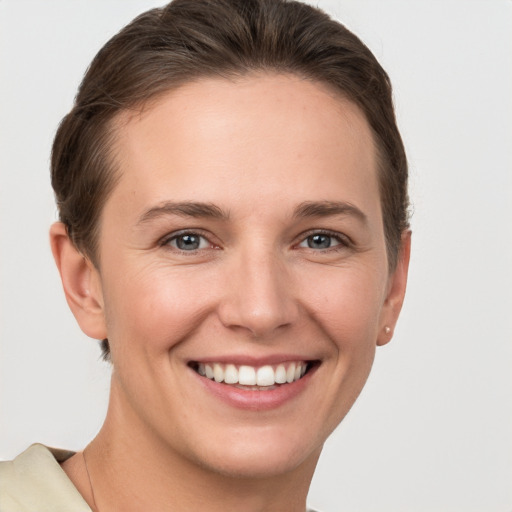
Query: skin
257,148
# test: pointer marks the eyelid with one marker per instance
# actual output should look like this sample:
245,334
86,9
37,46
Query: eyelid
345,241
166,239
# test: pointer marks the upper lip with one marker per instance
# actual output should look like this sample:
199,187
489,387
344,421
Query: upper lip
255,361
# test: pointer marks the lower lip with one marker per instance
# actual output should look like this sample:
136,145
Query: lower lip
256,400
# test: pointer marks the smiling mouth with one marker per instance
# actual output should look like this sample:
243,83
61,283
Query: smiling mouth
262,378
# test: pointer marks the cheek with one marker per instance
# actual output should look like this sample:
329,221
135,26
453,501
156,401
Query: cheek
156,308
346,301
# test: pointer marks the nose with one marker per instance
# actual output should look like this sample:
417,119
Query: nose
259,295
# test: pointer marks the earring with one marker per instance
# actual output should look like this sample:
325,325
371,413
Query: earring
387,329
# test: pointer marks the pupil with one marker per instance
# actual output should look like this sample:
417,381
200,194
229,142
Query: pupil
188,242
319,241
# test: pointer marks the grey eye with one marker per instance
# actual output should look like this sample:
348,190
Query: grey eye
320,241
189,242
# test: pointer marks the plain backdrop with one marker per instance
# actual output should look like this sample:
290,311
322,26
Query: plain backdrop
432,431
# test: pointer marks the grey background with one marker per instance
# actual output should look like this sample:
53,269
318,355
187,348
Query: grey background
432,429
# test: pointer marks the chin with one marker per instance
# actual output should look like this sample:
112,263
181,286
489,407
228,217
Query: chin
260,455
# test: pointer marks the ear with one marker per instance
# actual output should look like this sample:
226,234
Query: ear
395,292
81,282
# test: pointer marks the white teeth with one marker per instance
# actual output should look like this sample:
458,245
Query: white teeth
247,376
231,374
290,373
218,373
264,377
281,374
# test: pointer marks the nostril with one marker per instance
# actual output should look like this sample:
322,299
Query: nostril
260,324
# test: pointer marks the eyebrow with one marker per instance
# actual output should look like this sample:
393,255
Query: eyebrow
184,209
210,210
328,208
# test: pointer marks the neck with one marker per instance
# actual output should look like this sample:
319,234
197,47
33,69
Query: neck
131,469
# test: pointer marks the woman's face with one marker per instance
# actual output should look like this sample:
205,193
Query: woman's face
244,238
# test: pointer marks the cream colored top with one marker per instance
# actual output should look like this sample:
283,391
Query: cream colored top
35,482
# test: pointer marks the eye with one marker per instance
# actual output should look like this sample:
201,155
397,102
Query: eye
322,241
188,241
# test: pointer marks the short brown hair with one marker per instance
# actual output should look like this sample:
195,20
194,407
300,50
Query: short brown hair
192,39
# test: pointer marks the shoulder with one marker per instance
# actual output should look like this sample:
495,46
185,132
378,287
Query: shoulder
34,480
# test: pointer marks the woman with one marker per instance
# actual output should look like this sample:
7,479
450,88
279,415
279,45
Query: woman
232,190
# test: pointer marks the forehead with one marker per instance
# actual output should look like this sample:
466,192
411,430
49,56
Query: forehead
260,135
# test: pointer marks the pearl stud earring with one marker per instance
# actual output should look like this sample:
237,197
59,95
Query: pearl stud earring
387,329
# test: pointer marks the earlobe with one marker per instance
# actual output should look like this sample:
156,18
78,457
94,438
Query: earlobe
396,292
81,282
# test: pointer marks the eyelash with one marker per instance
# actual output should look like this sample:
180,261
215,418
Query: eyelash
343,240
167,240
